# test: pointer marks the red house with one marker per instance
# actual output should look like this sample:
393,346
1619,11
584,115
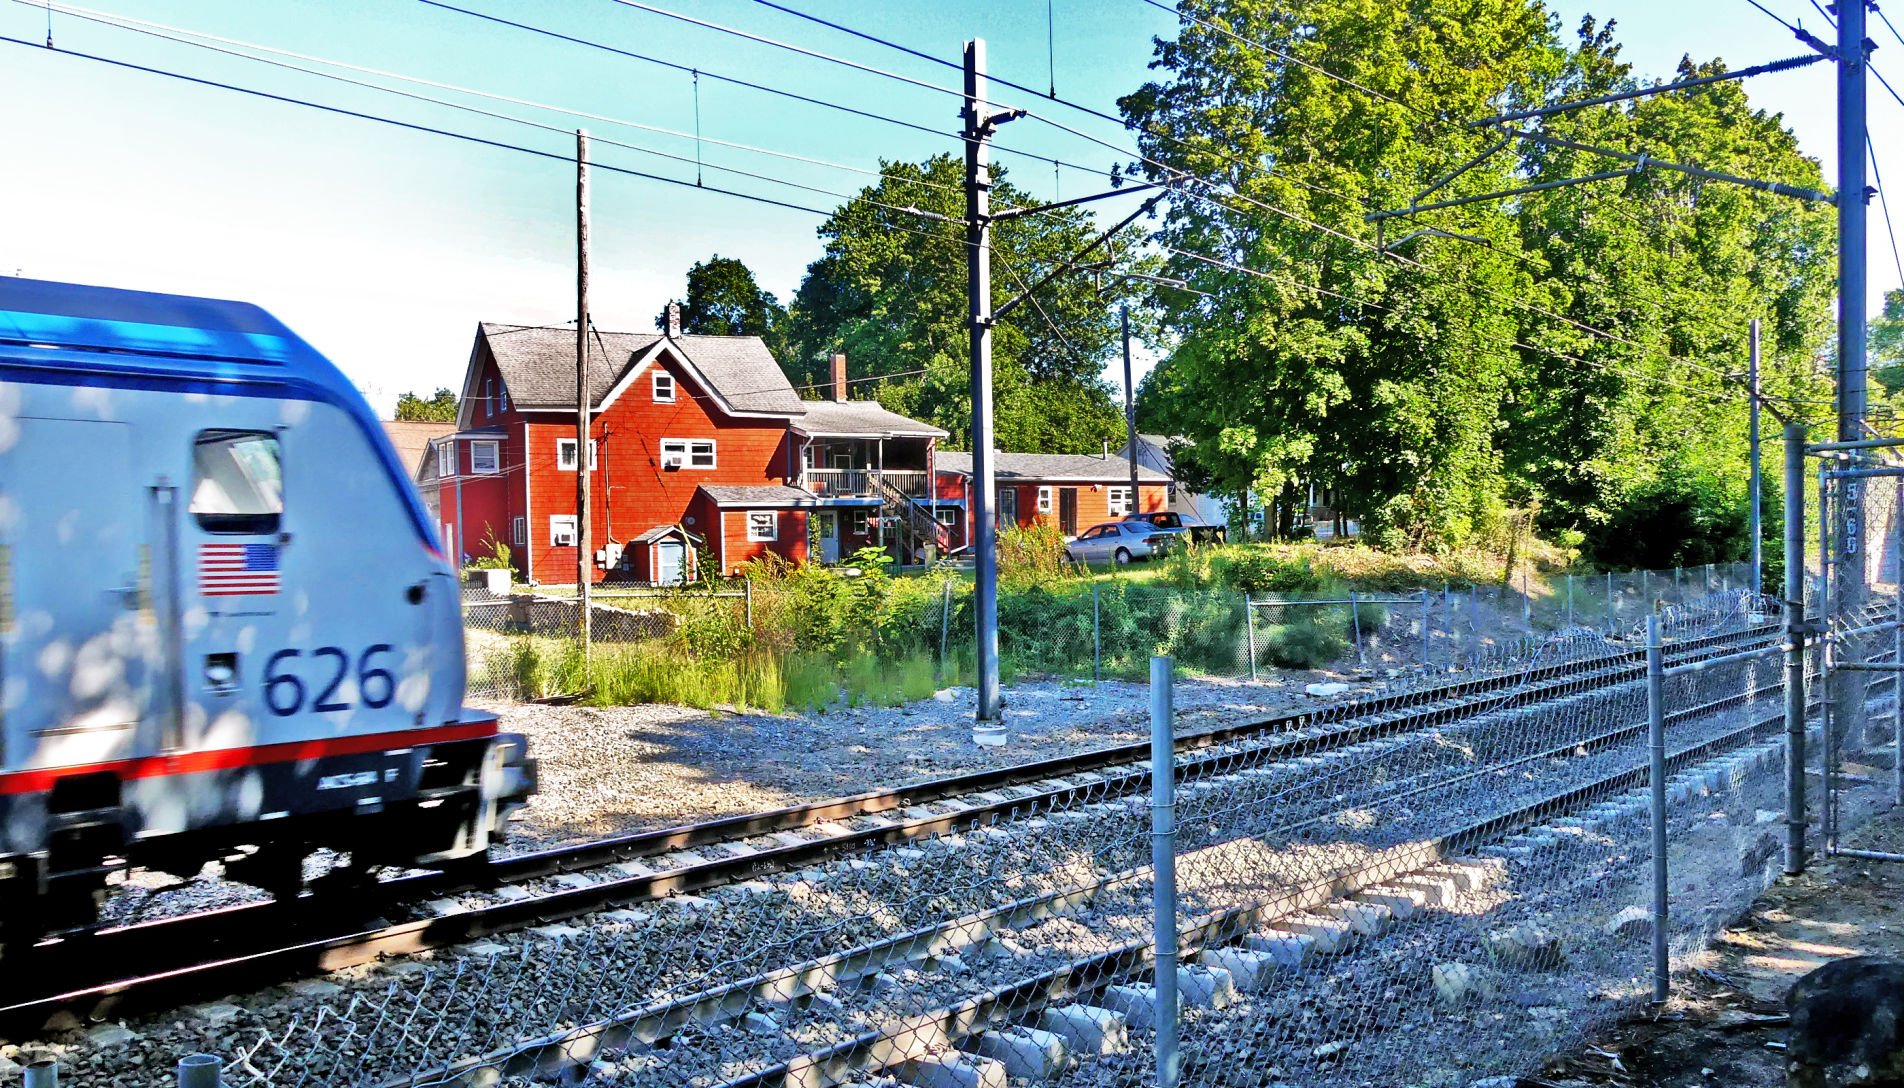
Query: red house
1068,491
699,452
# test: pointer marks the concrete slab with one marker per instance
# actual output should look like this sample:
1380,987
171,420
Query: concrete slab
1250,970
953,1070
1367,919
1135,1002
1026,1053
1287,949
1086,1029
1209,987
1328,934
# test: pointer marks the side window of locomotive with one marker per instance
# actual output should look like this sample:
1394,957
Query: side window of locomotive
237,485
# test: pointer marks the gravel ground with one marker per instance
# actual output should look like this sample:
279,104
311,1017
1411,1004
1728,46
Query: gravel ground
620,769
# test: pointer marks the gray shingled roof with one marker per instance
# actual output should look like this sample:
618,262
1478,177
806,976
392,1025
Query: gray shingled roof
861,417
1053,466
538,366
759,495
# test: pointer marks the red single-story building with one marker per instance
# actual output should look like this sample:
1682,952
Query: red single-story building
1069,491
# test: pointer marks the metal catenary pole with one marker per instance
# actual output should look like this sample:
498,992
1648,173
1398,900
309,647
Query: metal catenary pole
583,575
979,125
1656,783
1794,554
1757,531
1163,861
1846,690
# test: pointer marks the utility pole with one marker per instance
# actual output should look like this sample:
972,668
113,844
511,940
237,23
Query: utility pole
1130,405
1752,387
980,122
584,575
1847,692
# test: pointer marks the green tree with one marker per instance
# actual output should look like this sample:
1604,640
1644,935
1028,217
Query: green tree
1380,380
1645,420
1570,351
890,292
439,408
724,300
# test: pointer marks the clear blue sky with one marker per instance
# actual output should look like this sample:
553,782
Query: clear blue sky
385,247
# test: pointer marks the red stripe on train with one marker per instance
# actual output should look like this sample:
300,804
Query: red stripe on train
225,759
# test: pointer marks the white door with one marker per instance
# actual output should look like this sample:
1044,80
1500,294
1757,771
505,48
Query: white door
829,536
78,637
668,562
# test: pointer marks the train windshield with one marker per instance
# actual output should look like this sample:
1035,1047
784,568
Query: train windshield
239,484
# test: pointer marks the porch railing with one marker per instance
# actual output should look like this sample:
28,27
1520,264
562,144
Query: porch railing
864,482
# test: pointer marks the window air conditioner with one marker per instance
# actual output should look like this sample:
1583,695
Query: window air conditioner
671,460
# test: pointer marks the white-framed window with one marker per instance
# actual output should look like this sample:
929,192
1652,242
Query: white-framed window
446,458
947,515
763,525
562,530
858,522
687,452
565,455
1120,501
663,387
1044,500
519,531
502,399
485,458
489,396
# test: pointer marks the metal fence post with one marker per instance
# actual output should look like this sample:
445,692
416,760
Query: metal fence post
1527,604
1794,649
945,621
201,1071
1097,637
1656,781
1612,604
1426,645
1355,623
1249,626
1163,861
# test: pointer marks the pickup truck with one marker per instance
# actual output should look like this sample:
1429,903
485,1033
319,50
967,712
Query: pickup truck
1169,521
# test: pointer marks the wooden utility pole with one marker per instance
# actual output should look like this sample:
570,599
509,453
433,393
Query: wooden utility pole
1130,408
584,574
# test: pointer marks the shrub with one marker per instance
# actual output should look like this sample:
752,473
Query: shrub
497,558
1031,555
1308,643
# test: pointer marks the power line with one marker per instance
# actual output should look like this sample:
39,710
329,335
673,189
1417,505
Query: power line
419,127
1034,115
161,30
750,85
1884,206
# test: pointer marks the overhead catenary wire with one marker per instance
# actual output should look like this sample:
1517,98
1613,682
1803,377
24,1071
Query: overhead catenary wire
192,38
415,126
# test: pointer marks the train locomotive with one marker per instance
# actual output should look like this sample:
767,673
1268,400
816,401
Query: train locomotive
227,629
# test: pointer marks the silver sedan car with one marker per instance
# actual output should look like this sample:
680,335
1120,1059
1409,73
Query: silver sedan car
1117,542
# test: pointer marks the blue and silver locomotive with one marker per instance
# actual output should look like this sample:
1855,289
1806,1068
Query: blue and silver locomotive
227,630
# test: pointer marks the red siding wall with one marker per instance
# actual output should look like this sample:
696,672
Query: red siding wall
1094,500
738,549
630,492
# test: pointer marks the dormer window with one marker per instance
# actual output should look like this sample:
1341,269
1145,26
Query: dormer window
663,387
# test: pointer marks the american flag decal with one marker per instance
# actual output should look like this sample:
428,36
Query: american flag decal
233,570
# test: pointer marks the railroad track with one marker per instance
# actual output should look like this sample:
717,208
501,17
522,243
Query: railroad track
113,971
1088,999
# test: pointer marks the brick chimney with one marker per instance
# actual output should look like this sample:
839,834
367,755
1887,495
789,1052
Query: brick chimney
674,321
839,377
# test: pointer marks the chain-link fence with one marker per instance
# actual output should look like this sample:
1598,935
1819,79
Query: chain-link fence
520,645
1436,894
